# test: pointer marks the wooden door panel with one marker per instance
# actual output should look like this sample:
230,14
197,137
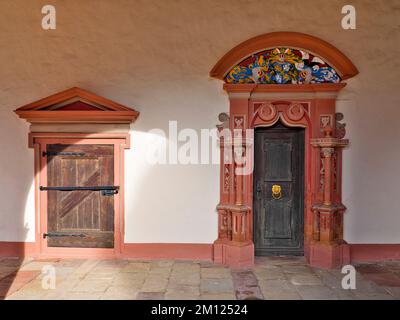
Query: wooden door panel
278,221
84,215
71,199
80,212
278,160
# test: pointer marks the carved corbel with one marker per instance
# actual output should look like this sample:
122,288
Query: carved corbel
223,117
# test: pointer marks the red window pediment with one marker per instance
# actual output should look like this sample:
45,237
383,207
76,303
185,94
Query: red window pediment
78,106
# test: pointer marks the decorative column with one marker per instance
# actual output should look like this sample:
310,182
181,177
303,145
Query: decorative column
328,250
234,246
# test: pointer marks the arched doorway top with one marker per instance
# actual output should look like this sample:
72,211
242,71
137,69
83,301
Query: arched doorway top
278,42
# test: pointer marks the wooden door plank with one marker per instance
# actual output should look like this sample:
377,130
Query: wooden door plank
74,198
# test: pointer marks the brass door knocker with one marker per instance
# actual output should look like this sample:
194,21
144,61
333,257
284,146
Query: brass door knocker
276,192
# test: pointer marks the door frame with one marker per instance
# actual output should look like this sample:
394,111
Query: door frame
304,122
302,173
39,141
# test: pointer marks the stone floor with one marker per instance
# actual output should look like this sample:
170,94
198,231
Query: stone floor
270,278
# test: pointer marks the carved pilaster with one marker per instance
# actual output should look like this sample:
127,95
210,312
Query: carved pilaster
328,216
224,224
233,222
327,153
233,214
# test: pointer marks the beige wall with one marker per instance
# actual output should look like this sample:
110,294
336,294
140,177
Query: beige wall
155,56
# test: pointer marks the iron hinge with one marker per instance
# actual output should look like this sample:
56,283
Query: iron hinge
63,234
62,153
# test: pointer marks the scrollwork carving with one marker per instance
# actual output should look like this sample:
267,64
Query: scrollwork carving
295,112
267,112
227,178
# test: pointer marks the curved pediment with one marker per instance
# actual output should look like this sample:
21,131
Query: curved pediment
76,105
284,57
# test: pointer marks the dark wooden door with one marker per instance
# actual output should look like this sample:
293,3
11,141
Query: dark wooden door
80,218
278,216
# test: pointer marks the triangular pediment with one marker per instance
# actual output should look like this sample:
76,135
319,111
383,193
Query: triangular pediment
76,105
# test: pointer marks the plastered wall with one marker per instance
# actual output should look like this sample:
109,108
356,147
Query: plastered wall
155,56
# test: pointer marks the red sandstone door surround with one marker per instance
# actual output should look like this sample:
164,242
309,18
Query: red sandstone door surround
277,86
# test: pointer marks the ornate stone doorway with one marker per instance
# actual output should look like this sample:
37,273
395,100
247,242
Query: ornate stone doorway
293,78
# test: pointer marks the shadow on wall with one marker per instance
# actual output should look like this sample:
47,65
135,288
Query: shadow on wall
17,205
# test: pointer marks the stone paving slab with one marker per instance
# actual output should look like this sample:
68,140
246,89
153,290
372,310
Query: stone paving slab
136,267
271,278
373,296
155,283
134,281
215,273
119,293
313,292
394,292
82,296
269,273
246,285
150,296
190,279
190,291
218,296
91,285
16,281
283,295
304,279
160,270
382,277
216,286
278,289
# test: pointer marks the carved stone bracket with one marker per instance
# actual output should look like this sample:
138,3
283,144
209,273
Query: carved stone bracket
224,119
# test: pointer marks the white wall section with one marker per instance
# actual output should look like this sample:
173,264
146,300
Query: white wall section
155,56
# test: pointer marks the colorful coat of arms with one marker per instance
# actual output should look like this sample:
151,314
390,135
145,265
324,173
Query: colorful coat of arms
282,66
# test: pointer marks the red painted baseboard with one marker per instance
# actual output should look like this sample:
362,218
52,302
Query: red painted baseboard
151,251
200,251
17,249
374,252
182,251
